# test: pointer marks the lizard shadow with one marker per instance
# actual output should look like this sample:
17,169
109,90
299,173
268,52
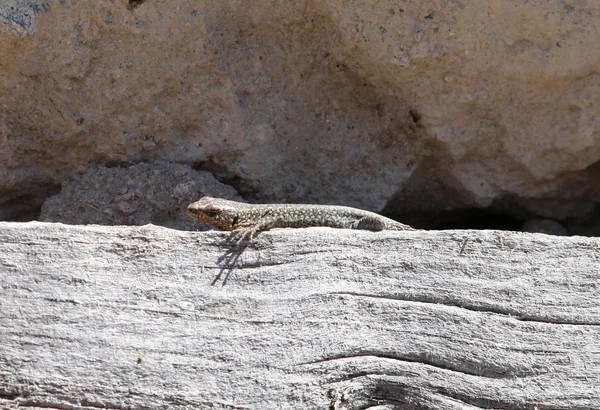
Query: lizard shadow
230,258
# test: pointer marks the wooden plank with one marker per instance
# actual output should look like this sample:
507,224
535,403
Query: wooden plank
138,317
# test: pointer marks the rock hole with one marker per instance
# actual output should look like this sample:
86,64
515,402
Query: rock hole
27,207
135,3
415,116
478,219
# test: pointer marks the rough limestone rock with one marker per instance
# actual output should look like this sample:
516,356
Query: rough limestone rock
147,317
422,106
146,193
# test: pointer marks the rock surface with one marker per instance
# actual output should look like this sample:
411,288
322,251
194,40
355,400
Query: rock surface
155,193
425,107
546,226
148,317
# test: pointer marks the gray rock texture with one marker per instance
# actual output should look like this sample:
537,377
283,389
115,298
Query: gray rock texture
147,317
417,106
137,195
546,226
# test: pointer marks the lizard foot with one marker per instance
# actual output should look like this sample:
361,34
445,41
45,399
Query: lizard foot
239,235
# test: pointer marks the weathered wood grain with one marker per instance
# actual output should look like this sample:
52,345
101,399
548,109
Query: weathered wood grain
129,318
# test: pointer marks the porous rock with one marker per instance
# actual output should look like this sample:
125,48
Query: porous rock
146,193
344,102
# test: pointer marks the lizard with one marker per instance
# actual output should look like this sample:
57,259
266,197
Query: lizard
248,219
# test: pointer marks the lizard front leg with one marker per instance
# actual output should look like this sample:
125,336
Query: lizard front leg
265,223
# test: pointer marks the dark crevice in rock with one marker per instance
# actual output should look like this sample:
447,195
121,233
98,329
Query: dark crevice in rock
505,217
475,218
25,208
585,226
468,218
433,198
224,176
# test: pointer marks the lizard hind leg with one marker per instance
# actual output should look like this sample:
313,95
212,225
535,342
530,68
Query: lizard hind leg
369,223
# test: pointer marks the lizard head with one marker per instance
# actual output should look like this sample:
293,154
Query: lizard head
214,211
